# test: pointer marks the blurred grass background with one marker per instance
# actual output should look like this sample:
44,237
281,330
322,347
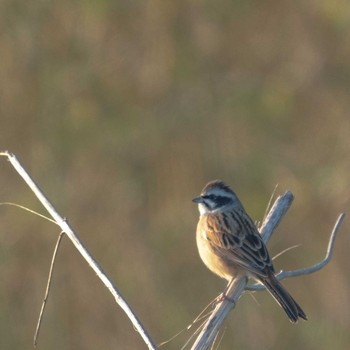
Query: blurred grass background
122,111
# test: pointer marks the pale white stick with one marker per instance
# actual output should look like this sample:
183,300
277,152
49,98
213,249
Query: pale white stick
275,215
62,222
211,328
311,269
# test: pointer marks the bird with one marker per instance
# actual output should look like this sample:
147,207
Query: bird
230,244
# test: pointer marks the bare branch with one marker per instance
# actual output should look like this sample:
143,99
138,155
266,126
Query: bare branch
221,311
47,291
311,269
66,228
276,214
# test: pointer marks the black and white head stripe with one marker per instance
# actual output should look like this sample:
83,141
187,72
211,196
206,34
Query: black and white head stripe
216,186
216,195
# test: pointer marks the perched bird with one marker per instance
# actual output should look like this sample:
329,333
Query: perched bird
230,245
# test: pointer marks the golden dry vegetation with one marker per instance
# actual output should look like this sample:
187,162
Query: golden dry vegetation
122,111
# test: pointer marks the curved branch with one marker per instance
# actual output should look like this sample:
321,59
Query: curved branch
311,269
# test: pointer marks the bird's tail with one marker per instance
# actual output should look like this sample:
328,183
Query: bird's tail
284,299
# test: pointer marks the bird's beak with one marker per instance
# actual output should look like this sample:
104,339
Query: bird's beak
198,200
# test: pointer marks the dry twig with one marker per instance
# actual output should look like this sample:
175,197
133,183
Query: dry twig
68,230
47,291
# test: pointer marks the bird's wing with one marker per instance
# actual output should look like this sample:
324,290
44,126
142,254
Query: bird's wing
235,238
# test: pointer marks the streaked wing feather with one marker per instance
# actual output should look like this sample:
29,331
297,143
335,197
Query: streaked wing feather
237,240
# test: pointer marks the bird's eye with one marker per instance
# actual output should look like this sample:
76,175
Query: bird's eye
212,196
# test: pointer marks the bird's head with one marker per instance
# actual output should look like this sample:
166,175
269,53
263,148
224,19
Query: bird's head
216,196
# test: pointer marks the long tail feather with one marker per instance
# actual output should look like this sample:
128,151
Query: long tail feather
284,299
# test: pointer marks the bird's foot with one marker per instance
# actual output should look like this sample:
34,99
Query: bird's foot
223,297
